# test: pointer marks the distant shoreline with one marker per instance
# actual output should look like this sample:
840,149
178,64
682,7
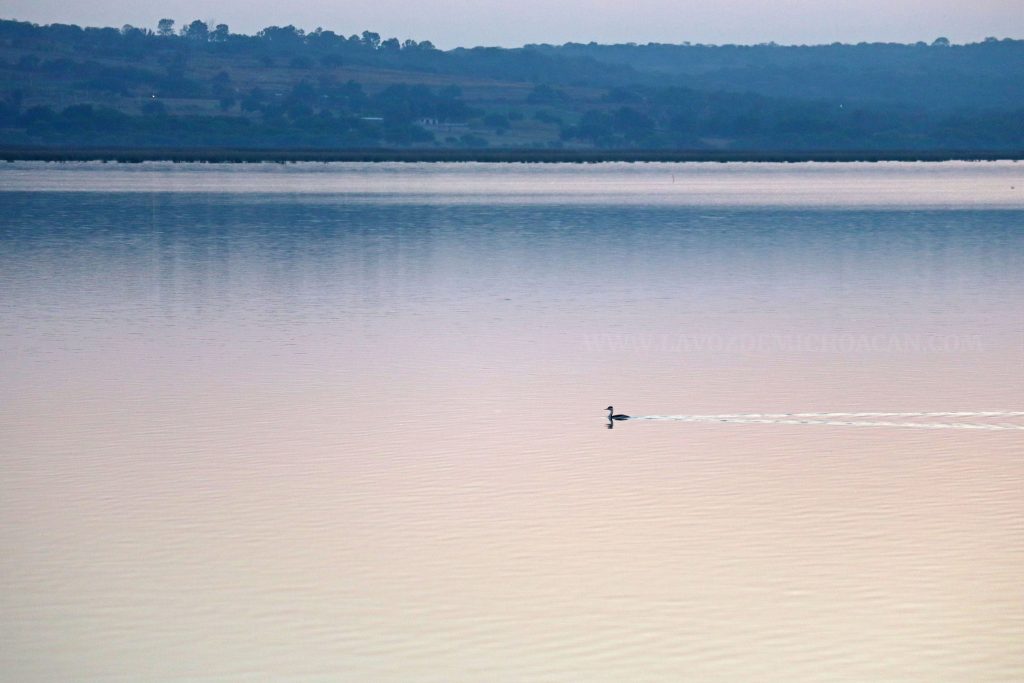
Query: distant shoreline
224,155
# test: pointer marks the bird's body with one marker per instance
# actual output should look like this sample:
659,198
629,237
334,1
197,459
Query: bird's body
613,416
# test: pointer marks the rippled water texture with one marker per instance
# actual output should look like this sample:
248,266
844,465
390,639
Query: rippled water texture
345,423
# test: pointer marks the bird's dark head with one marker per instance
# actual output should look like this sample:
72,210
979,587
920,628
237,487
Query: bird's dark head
609,408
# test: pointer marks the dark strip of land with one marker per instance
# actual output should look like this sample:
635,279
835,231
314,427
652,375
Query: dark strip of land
218,155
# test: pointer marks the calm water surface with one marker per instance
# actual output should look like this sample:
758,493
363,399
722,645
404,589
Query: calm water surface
341,422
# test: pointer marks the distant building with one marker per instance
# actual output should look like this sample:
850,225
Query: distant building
438,124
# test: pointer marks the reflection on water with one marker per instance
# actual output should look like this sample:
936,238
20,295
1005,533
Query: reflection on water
357,431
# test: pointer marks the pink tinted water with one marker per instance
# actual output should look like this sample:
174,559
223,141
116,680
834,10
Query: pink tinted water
344,423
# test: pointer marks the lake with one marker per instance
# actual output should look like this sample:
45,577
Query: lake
322,422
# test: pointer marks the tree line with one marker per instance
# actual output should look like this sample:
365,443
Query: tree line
199,85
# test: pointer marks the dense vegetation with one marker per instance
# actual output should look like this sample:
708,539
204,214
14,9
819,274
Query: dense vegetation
205,87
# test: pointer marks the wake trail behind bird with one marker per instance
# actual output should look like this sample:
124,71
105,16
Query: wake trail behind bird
833,419
992,413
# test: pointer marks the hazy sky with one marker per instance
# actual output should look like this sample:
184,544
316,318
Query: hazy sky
450,23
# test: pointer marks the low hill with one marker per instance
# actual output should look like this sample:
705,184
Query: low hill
201,86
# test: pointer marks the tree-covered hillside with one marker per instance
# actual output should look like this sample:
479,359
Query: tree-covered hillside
936,75
203,86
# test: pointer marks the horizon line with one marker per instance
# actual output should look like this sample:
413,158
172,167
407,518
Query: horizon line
936,42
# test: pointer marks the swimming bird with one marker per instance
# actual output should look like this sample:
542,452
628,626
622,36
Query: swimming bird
612,416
